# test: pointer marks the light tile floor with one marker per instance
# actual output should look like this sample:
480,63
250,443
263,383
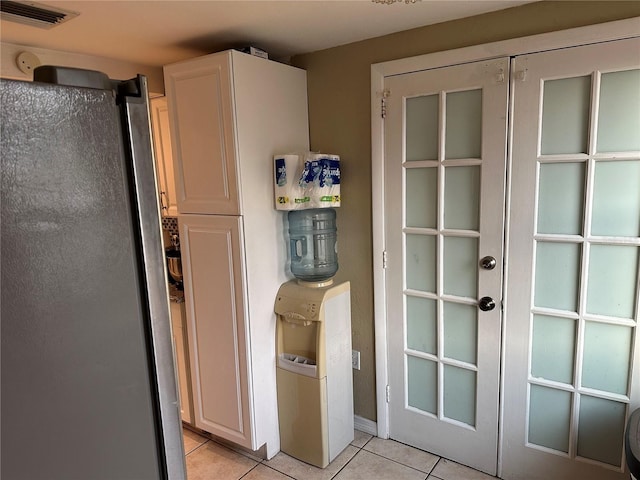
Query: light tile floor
367,458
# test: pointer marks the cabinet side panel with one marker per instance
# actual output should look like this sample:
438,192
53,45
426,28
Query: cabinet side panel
271,112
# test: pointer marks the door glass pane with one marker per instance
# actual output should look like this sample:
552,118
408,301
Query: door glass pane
461,266
553,348
616,199
421,324
462,197
422,384
422,128
464,125
421,262
460,394
549,418
460,331
619,115
601,429
607,354
613,270
560,198
565,115
557,274
422,197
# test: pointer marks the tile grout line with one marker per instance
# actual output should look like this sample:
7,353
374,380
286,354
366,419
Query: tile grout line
359,449
196,448
354,456
387,459
248,471
405,465
400,463
274,469
207,440
334,475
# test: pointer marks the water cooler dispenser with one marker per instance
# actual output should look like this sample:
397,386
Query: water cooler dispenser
315,390
313,372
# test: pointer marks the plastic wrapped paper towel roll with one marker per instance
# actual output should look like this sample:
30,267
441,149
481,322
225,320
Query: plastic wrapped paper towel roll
288,169
306,181
320,180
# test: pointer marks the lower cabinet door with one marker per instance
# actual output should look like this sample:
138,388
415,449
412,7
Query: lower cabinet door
212,264
182,360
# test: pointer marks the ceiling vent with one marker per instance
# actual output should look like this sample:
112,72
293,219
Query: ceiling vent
34,14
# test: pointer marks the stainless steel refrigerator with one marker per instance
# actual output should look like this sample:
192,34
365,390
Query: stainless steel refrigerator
88,388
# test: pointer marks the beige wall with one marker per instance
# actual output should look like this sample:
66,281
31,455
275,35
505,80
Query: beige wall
339,115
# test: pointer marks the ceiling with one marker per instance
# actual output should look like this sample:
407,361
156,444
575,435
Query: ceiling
158,32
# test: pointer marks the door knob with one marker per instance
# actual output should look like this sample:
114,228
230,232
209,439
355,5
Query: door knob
486,304
488,262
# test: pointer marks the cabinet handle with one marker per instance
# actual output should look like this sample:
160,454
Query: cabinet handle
162,202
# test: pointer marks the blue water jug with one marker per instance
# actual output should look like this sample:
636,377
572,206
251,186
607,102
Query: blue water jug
313,243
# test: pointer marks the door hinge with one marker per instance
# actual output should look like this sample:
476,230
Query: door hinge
384,259
495,70
383,102
521,75
388,392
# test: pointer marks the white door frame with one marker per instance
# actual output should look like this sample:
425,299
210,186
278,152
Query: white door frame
519,46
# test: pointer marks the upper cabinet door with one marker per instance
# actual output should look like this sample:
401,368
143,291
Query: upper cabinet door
200,100
164,161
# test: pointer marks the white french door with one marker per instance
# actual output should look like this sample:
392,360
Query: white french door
445,161
547,387
573,249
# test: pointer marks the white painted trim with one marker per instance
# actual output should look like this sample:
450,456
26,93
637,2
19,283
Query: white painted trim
378,221
505,265
518,46
365,425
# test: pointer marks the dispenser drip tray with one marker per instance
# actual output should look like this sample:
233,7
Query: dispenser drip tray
298,364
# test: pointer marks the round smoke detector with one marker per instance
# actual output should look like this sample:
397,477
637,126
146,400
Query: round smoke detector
27,62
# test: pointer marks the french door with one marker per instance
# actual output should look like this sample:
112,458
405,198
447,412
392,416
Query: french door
445,151
557,365
573,247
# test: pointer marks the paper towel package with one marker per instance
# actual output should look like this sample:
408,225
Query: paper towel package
311,180
288,170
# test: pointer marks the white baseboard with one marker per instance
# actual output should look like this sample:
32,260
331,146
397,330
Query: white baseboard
365,425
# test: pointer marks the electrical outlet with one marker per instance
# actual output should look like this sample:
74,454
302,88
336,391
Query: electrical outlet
355,359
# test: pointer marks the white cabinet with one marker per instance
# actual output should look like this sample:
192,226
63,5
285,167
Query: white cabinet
201,101
178,327
230,114
164,161
212,267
